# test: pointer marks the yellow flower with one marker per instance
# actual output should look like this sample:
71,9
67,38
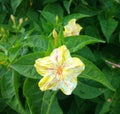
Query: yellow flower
60,70
72,29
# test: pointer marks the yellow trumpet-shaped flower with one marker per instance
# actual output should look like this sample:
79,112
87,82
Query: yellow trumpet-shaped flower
72,28
60,70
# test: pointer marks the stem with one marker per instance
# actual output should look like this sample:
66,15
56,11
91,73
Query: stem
113,64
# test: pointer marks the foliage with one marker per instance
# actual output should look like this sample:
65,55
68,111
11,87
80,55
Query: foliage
26,34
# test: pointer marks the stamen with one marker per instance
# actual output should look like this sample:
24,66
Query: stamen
60,70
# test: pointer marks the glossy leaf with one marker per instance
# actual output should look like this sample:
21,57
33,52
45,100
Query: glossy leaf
33,95
49,1
50,104
54,8
67,5
105,108
93,73
25,65
15,4
49,17
87,92
2,17
116,104
76,16
3,104
13,52
38,42
87,53
84,9
42,102
108,26
75,43
10,91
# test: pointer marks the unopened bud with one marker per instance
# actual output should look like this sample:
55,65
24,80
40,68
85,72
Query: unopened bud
20,21
31,3
54,34
13,19
56,18
2,30
26,19
113,66
109,100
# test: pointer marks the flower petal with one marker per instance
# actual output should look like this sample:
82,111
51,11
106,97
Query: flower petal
73,67
60,55
47,83
72,28
77,29
67,86
72,22
44,66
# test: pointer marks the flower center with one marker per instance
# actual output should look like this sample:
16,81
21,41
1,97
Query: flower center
59,70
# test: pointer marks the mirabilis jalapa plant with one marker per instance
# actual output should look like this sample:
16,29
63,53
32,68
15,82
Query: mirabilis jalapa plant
30,32
60,70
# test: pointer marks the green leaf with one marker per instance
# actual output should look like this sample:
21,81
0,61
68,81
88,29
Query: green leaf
2,48
54,8
48,1
49,17
93,73
82,106
72,16
116,102
2,17
47,21
3,104
92,29
2,70
67,5
87,53
15,4
87,92
38,42
9,90
50,104
86,3
2,57
108,26
13,52
55,108
25,65
118,1
33,95
42,102
87,10
106,107
33,16
75,43
46,27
